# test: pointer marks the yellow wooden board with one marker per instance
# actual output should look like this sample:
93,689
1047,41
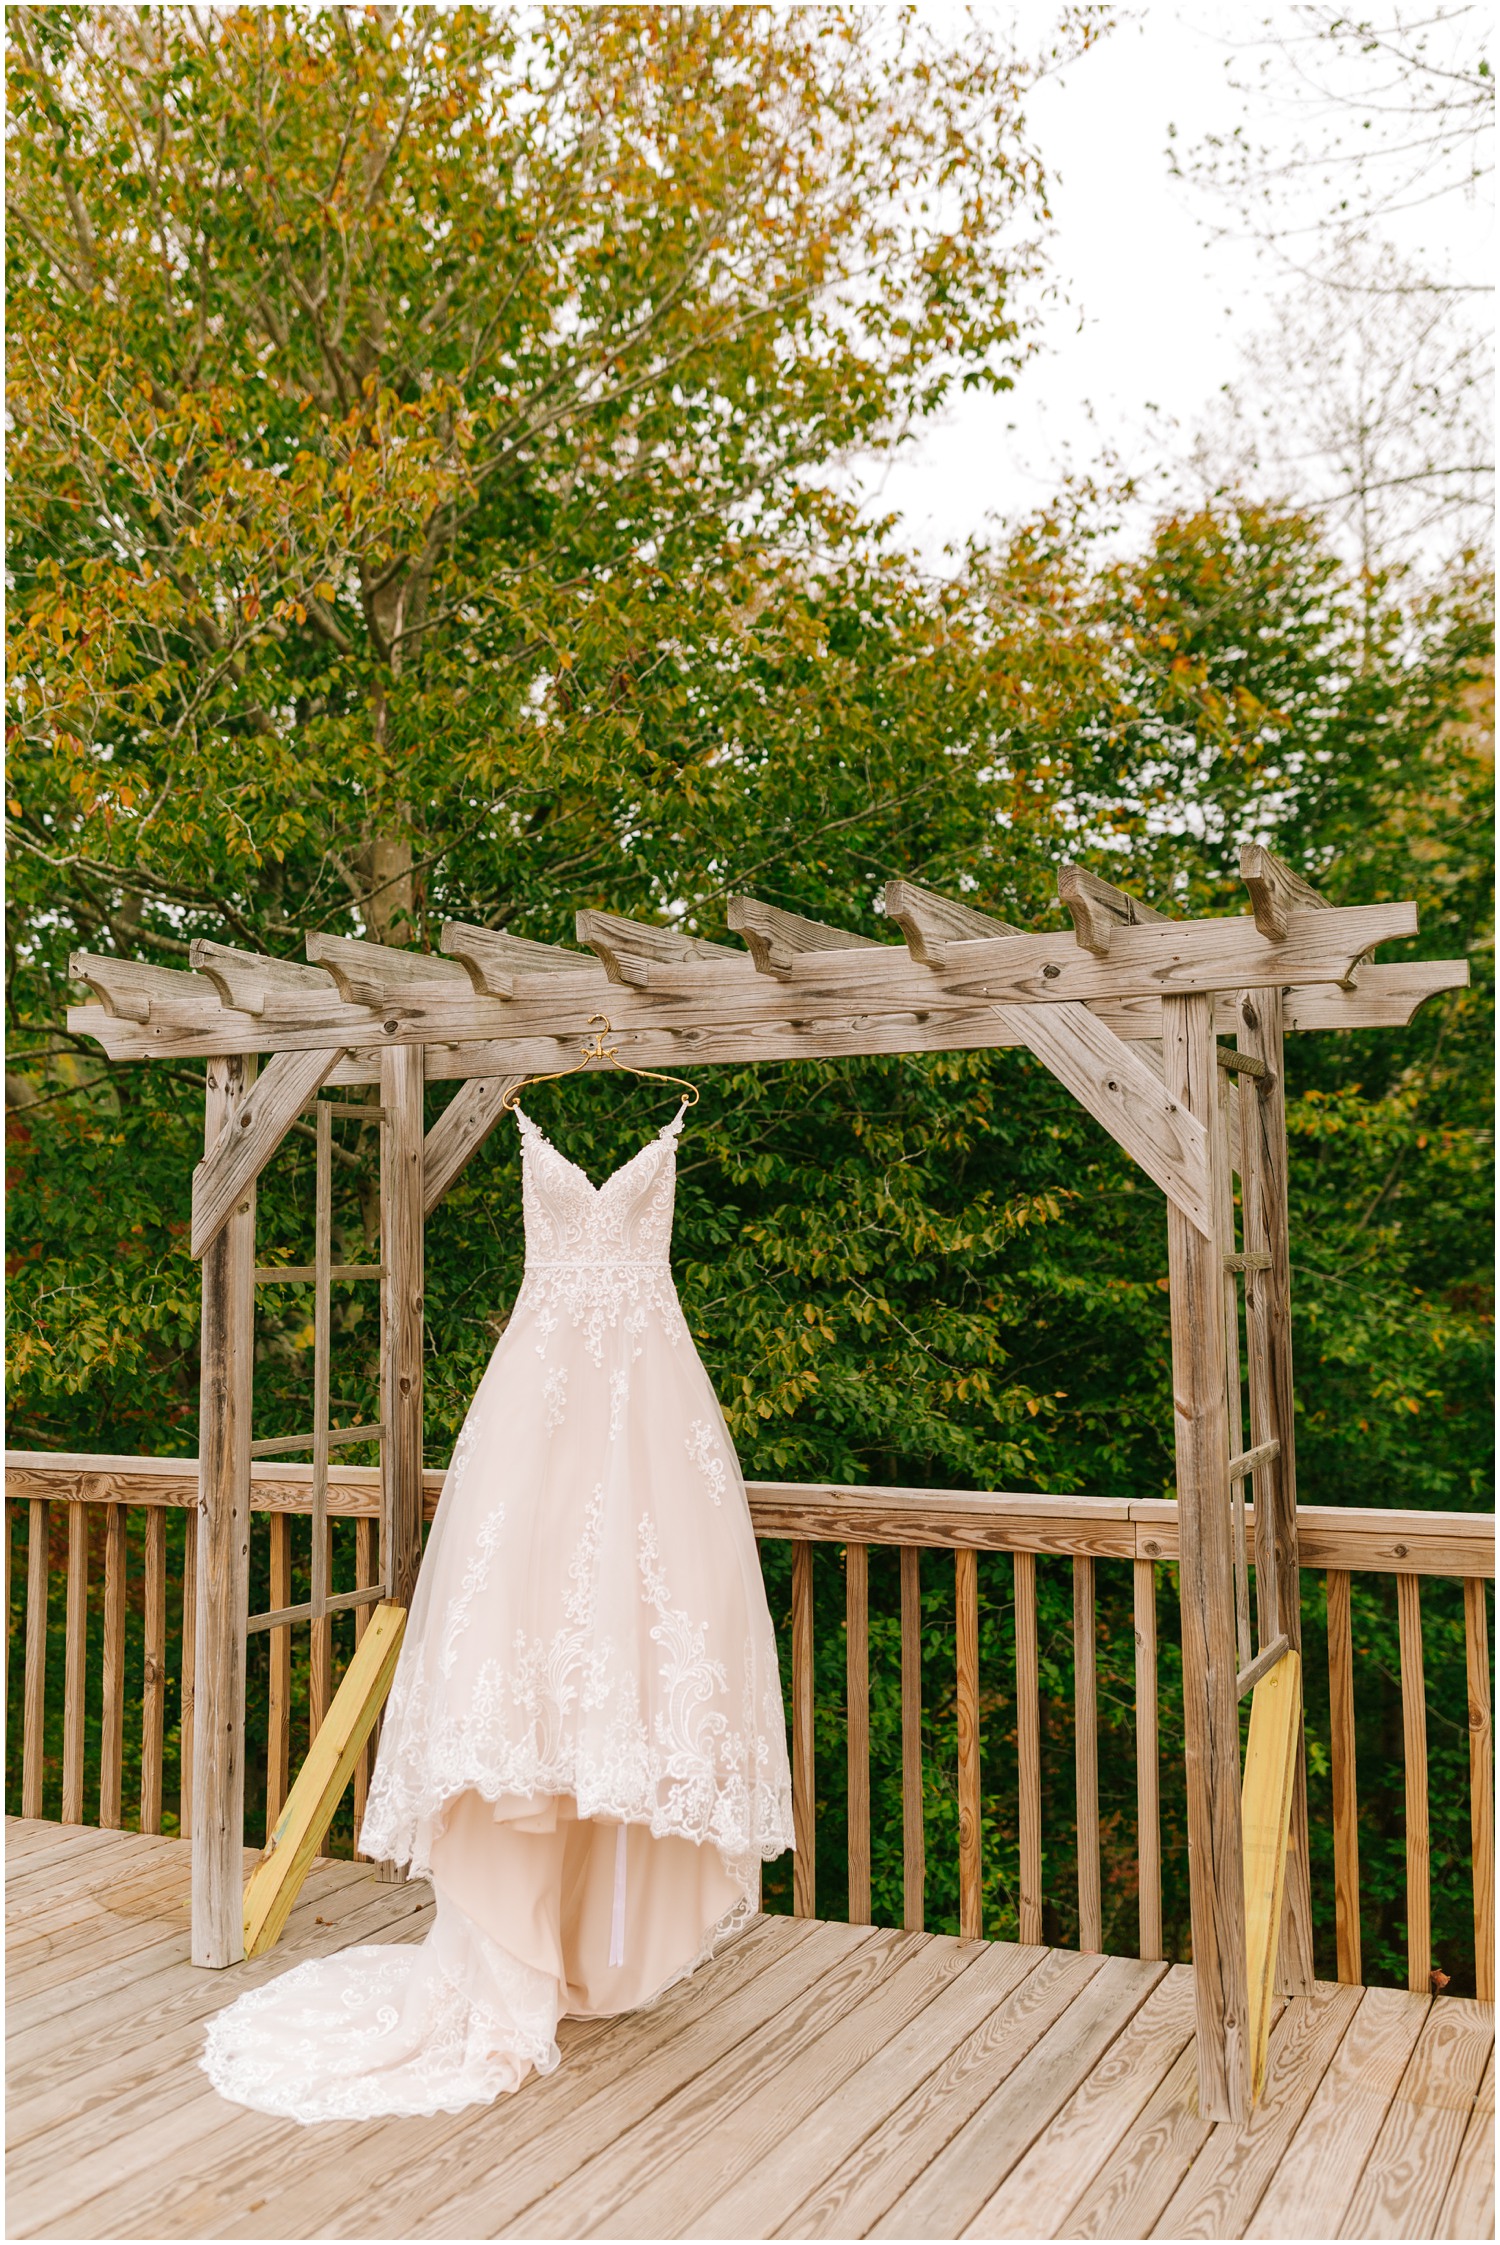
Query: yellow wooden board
289,1853
1270,1766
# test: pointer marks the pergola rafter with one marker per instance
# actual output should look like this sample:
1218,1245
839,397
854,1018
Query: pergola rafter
1125,1008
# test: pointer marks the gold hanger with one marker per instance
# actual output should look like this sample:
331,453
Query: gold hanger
594,1049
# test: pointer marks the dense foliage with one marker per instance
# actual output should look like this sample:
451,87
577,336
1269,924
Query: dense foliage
399,533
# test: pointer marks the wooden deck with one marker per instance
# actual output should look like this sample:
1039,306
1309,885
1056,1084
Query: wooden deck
814,2081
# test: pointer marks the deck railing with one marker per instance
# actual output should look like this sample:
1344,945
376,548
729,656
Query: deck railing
142,1494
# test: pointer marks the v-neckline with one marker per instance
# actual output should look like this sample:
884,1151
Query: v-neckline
578,1168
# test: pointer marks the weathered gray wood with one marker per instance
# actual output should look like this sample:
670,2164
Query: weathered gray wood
401,1244
506,966
230,1167
1147,1762
629,949
913,1818
930,922
459,1131
1098,908
775,939
1209,1665
378,975
804,1777
720,1009
1275,891
250,981
135,990
1086,1758
1266,1228
857,1673
227,1349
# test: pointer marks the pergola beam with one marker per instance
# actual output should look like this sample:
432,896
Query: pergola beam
506,966
776,939
259,1123
1276,892
1098,908
631,949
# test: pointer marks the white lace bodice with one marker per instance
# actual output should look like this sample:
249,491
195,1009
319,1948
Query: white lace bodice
573,1224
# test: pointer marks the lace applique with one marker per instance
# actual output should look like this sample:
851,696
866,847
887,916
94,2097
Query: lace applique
476,1575
555,1395
702,1446
619,1396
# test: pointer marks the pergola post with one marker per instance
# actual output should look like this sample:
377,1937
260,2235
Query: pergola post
401,1238
1268,1329
223,1557
1210,1665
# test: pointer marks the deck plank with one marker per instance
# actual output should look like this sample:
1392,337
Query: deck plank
821,2132
1468,2208
1221,2190
522,2146
1319,2173
1134,2188
1401,2191
1044,2186
653,2181
963,2175
870,2179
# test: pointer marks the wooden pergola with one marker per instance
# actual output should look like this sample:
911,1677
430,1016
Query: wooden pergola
1127,1010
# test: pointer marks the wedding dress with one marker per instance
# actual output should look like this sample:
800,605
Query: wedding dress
584,1747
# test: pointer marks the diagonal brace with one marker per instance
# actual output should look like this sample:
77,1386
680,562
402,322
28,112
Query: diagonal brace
251,1137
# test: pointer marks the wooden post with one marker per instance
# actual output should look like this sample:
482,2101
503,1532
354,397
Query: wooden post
401,1227
1147,1761
1268,1333
1481,1786
970,1798
804,1785
857,1671
1210,1672
223,1602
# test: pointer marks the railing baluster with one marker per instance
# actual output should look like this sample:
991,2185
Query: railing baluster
1344,1784
112,1713
1086,1757
857,1670
1028,1747
1414,1739
804,1793
970,1808
33,1745
364,1579
279,1684
154,1696
189,1671
1147,1761
320,1650
1481,1786
913,1829
75,1664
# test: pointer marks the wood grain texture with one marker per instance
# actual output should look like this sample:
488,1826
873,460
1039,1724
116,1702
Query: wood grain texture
804,1775
1266,1227
966,1698
1086,1757
1206,1568
1405,2178
279,1675
365,1577
1147,1762
1224,2185
969,2168
1343,1778
226,1349
1052,2177
262,1118
1275,891
75,1664
112,1698
1132,2190
1310,2192
913,1818
401,1244
857,1674
1481,1787
965,1987
34,1686
1414,1751
187,1681
459,1131
154,1670
1270,1761
1468,2208
1028,1748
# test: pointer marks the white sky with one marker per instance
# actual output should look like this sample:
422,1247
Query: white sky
1150,328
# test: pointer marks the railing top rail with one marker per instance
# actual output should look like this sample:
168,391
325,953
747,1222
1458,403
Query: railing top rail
1363,1539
